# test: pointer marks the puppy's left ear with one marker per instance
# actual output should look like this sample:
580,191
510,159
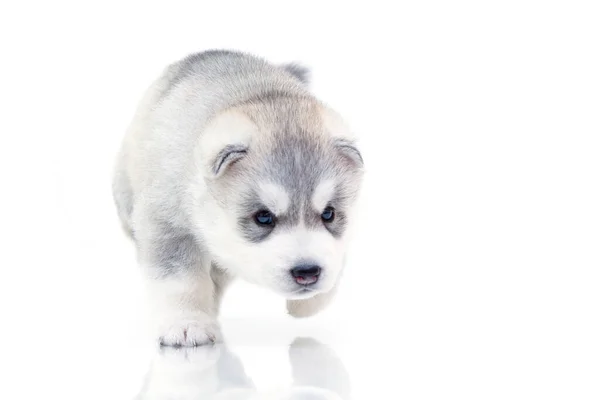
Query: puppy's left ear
343,138
225,141
348,149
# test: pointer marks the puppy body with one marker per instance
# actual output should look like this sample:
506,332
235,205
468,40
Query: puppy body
231,168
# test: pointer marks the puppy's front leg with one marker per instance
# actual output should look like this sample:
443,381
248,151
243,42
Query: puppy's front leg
311,306
180,289
221,281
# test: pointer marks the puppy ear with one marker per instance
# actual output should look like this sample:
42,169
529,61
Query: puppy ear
349,150
344,139
224,141
229,155
299,71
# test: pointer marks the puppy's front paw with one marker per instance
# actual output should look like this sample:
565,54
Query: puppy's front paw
190,332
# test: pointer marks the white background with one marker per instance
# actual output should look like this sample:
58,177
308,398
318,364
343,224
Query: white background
476,271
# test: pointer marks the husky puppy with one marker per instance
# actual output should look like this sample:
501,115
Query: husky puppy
231,168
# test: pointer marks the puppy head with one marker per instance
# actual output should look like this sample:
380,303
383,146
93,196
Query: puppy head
282,177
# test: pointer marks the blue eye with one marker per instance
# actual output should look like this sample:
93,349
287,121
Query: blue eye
264,218
328,214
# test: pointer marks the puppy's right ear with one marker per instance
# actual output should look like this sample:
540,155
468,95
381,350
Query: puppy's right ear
225,141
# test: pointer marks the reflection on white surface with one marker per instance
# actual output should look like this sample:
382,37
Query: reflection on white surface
215,372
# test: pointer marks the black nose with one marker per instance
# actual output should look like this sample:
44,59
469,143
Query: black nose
306,274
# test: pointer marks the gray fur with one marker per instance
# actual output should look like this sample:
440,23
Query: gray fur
207,136
170,250
301,72
251,230
189,66
223,79
298,163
